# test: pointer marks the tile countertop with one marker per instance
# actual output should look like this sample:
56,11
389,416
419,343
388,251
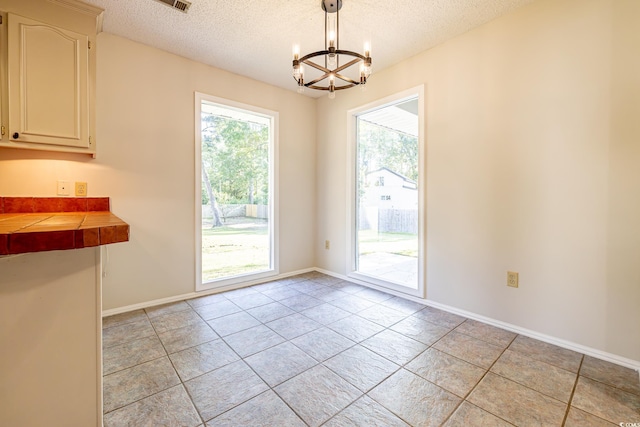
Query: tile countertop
38,224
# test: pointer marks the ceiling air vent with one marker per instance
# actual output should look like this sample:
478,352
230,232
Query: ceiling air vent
181,5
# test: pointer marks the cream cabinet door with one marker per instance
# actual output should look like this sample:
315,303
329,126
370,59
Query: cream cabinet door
48,84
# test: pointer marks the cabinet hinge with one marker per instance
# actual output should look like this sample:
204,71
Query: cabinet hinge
2,130
0,19
89,140
89,45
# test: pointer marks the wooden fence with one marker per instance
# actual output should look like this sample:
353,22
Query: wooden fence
238,210
389,220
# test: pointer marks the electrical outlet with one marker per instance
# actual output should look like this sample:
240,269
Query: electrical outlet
512,279
64,188
327,244
81,189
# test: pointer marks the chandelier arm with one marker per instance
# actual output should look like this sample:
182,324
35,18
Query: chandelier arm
326,70
350,53
319,79
324,76
338,52
346,86
314,54
318,67
347,65
346,79
336,88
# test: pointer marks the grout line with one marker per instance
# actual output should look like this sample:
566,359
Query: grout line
464,399
181,382
133,366
531,388
608,384
390,411
596,381
573,390
289,406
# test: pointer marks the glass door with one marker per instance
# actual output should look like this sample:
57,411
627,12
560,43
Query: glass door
387,217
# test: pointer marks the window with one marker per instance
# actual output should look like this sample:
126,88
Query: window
235,192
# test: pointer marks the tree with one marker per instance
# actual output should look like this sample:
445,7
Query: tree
379,147
213,202
235,157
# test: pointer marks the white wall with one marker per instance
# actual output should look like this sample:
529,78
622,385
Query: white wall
145,163
533,144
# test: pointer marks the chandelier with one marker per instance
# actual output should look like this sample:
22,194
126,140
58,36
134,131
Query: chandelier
331,72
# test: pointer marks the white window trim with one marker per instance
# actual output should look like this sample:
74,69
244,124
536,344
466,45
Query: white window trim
420,292
273,194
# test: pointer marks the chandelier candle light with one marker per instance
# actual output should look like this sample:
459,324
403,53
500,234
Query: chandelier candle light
331,70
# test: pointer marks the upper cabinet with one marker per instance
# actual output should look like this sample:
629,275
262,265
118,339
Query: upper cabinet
48,78
48,84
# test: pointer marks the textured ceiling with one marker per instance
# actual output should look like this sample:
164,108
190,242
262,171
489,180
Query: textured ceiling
254,38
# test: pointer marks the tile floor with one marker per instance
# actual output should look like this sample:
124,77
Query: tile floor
315,350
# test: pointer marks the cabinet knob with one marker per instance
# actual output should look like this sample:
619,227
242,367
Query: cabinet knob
16,135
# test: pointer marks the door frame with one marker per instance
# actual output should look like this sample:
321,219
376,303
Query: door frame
351,227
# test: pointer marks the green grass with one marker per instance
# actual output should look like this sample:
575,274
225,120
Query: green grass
239,247
370,241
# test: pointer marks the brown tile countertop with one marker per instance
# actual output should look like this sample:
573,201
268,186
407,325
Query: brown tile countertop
38,224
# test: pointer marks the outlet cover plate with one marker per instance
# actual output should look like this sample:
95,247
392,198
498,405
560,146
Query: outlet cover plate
512,279
81,189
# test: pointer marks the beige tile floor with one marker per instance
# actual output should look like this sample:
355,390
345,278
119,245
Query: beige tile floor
315,350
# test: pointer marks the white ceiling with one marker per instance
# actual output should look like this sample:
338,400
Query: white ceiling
254,38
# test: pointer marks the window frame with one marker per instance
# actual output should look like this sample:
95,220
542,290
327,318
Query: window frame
274,269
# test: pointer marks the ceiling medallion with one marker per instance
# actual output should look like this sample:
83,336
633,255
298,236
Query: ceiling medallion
331,77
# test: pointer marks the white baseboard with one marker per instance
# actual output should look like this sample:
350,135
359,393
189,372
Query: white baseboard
190,295
599,354
371,285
